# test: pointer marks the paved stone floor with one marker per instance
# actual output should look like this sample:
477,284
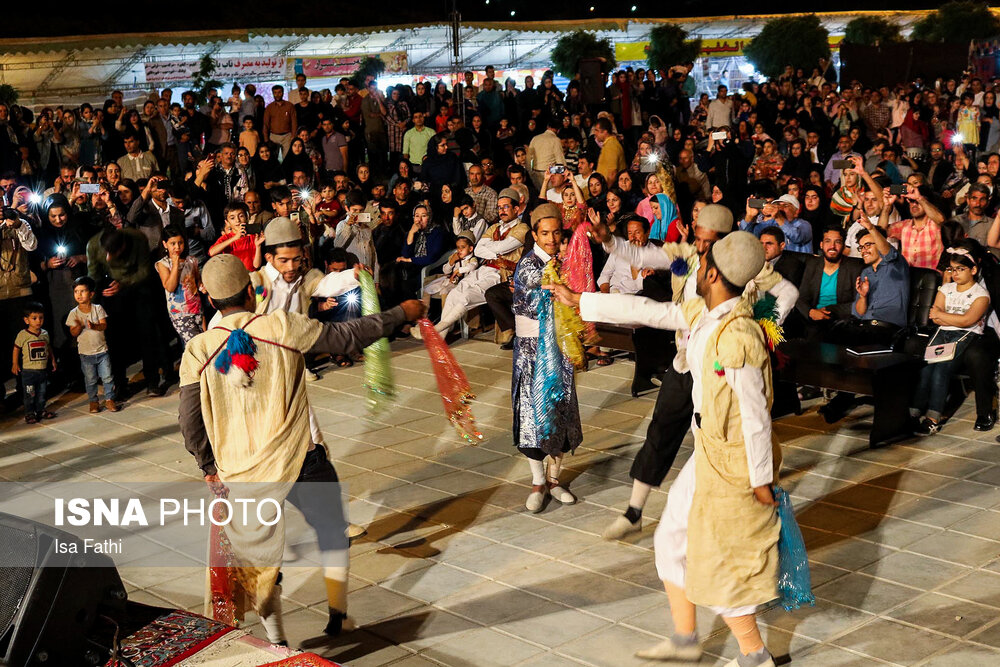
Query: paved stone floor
904,541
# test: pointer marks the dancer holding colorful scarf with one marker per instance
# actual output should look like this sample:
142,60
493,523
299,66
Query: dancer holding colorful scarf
543,392
244,416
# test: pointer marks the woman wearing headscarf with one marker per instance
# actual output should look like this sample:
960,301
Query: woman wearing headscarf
423,245
665,220
816,211
266,168
62,248
296,160
441,166
597,189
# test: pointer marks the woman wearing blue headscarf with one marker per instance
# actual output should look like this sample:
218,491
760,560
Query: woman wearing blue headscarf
664,227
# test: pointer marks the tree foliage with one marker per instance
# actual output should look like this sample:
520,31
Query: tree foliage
369,66
669,46
957,22
8,94
871,31
799,41
579,44
203,81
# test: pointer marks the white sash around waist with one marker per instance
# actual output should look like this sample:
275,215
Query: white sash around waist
525,327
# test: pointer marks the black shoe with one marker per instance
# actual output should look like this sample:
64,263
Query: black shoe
509,345
156,390
986,422
336,623
837,408
640,385
927,427
808,393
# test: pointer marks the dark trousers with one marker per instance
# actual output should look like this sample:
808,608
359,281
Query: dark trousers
500,299
671,422
654,348
11,322
316,494
134,332
980,362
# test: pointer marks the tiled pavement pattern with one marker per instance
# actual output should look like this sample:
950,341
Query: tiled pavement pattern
905,541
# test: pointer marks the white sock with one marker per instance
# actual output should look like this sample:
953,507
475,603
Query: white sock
336,587
270,618
640,493
537,472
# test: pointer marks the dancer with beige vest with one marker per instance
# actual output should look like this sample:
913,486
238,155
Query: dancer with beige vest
717,541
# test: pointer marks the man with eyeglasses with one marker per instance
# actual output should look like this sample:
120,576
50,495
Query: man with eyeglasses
880,305
937,169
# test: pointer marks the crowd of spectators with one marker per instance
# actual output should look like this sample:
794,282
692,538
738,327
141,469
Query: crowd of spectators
109,211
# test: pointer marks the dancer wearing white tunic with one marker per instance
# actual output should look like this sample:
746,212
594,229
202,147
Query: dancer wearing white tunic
716,544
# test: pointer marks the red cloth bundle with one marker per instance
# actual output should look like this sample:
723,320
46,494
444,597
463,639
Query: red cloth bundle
577,271
456,392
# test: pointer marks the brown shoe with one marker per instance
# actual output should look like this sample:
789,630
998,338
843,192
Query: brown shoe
95,407
110,405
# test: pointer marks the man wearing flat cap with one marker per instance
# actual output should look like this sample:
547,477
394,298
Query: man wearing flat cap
673,409
498,251
717,541
244,416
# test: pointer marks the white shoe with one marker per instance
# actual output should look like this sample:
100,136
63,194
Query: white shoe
667,650
735,663
416,332
562,494
535,499
354,531
310,376
621,527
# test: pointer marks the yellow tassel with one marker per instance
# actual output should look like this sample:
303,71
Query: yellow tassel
772,332
570,328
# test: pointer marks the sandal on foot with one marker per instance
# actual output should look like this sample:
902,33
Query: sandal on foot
47,414
30,419
605,360
342,361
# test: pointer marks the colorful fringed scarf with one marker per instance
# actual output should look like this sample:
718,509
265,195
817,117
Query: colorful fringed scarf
456,392
546,383
378,372
569,328
577,270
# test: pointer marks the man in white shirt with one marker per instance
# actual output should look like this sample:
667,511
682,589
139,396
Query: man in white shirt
731,384
720,110
618,277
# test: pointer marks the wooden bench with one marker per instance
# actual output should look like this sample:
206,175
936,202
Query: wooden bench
888,378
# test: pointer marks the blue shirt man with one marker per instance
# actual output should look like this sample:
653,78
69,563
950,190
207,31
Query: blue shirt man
782,213
884,285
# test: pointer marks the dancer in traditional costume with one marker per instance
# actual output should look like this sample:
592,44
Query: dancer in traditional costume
717,542
244,416
543,438
673,409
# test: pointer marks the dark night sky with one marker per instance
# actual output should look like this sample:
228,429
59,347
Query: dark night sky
39,19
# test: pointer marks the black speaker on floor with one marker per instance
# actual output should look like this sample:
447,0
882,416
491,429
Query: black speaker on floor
592,80
54,611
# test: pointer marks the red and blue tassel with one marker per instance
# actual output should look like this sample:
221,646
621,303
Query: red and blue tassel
237,361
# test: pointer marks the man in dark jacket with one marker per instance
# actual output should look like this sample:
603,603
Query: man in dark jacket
826,290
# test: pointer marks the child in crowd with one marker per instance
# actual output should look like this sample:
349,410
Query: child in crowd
235,239
341,306
180,278
32,356
329,210
87,323
249,137
468,219
459,264
960,311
